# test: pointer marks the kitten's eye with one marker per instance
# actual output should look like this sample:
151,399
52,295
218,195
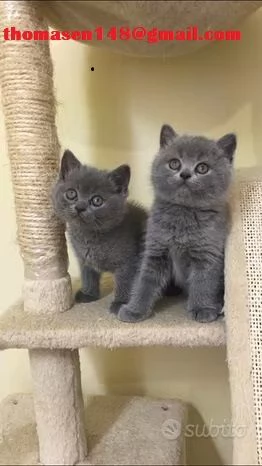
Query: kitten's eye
202,168
71,194
174,164
97,201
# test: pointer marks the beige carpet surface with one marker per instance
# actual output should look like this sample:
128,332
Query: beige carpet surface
120,431
92,325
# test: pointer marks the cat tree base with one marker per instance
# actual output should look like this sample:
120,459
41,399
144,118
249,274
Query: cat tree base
119,431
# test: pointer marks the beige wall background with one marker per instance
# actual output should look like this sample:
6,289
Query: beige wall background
113,115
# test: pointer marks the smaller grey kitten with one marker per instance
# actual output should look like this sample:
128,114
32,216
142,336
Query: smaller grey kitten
187,226
106,231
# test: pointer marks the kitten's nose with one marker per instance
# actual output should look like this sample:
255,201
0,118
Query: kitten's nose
185,174
80,207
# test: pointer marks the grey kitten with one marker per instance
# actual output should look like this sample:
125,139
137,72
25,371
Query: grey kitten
106,231
187,227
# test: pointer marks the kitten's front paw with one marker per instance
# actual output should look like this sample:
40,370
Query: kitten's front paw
82,297
126,314
205,315
115,306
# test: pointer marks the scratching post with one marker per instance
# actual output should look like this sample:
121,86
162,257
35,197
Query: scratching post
244,317
29,108
26,74
58,406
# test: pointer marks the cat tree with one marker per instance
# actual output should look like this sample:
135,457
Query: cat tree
119,430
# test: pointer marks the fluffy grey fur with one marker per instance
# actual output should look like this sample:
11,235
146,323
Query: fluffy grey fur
106,231
188,225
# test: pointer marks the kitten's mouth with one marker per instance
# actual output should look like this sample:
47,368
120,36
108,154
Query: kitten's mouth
82,216
179,184
184,184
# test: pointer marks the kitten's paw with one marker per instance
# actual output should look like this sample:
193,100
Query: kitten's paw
81,297
205,315
126,314
115,306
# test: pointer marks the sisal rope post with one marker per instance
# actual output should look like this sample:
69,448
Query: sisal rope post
26,76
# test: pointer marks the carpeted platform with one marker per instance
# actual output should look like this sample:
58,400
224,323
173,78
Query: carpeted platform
91,325
121,431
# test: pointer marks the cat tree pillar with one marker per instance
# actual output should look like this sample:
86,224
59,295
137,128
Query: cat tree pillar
26,75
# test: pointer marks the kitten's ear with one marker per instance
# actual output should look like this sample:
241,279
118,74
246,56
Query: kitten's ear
121,177
69,162
228,143
167,135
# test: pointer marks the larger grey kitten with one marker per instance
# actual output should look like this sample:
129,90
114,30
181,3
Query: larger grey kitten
106,231
188,225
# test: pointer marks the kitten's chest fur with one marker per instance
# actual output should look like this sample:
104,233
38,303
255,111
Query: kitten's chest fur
186,229
184,242
117,248
192,235
97,251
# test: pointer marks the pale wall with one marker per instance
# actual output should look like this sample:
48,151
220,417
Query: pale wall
114,115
